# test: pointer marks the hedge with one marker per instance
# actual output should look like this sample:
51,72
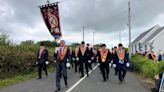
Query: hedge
148,68
18,59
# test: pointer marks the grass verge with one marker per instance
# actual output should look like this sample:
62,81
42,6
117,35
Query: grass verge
21,78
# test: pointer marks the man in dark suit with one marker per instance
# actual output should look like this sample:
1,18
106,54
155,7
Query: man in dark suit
158,80
82,54
76,57
42,60
62,58
95,51
90,56
122,62
71,56
104,58
114,64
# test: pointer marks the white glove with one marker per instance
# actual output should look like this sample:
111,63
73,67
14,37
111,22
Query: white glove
73,59
127,65
47,62
114,65
67,60
92,58
36,63
54,61
56,50
110,65
89,61
98,64
68,65
77,59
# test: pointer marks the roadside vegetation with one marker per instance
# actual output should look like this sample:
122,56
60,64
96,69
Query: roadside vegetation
17,61
145,67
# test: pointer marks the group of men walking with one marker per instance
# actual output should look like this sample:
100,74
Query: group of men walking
82,58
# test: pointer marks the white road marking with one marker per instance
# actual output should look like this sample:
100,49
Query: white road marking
78,82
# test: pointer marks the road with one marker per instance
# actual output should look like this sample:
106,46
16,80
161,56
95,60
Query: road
93,83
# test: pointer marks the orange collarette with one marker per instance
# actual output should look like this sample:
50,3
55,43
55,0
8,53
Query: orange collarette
83,49
104,55
76,52
121,54
61,55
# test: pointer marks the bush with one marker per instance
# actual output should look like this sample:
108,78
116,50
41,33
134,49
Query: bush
137,62
147,68
18,59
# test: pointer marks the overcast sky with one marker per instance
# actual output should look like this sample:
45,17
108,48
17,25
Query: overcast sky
21,19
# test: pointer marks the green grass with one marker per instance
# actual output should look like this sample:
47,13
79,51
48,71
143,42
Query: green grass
17,79
21,78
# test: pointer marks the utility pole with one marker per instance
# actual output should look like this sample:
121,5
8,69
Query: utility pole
83,33
129,19
93,38
48,1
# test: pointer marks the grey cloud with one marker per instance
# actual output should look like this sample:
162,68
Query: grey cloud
96,15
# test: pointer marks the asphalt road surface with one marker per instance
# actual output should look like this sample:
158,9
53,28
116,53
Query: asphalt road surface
93,83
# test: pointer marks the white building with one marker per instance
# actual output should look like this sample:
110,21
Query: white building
153,39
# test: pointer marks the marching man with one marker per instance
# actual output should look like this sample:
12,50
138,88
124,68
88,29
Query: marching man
104,58
62,58
114,62
82,54
76,57
42,60
122,62
90,56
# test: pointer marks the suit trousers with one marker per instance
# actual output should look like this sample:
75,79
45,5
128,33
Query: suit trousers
104,67
61,70
40,68
121,71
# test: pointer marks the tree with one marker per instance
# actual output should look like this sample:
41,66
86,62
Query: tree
73,45
48,43
27,42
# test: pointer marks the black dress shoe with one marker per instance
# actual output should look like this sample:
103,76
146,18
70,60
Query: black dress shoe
39,78
120,82
104,80
107,77
81,76
58,90
66,86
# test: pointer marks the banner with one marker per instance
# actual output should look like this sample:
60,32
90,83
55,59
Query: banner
50,13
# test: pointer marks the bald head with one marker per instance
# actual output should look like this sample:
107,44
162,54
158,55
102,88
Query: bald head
62,43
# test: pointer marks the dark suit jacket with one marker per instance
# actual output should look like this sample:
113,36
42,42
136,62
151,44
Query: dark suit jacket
116,59
85,57
108,58
67,56
90,54
43,58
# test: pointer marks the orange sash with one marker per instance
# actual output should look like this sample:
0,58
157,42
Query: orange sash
121,54
62,54
103,55
83,50
76,51
153,56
